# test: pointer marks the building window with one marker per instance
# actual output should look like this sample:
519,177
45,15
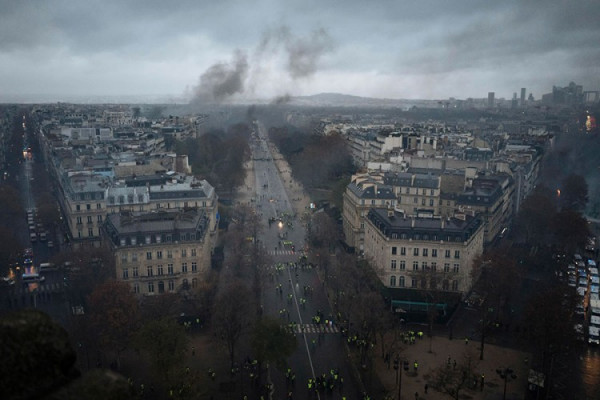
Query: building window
78,207
413,283
431,192
169,252
393,264
434,266
161,287
184,268
402,265
150,271
136,288
134,257
148,255
159,270
393,281
135,272
194,282
434,252
415,200
194,267
402,251
171,286
456,268
456,253
415,265
455,286
416,251
445,285
401,284
79,222
394,250
447,253
433,284
90,232
407,191
98,206
183,253
431,202
425,251
424,265
170,269
123,255
150,287
125,273
88,206
89,219
99,218
423,201
446,267
159,254
193,252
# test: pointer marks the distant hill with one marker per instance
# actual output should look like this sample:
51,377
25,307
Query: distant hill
346,100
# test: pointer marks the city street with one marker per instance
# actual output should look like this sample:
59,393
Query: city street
295,293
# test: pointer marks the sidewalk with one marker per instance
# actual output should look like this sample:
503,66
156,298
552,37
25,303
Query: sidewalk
495,357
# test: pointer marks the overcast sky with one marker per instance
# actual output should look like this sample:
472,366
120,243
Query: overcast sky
270,48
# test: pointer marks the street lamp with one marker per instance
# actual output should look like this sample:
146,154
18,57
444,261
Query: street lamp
399,373
506,374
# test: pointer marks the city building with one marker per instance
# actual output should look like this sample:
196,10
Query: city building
423,254
410,193
490,102
160,251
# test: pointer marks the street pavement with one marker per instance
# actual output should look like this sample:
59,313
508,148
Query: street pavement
444,350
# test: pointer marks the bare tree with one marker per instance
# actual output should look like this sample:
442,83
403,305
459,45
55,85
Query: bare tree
452,380
233,315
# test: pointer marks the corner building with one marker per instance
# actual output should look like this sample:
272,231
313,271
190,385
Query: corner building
423,254
160,251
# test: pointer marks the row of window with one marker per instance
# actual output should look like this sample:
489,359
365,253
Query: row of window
160,238
414,283
88,206
424,266
89,219
160,286
159,255
425,252
160,270
169,254
90,233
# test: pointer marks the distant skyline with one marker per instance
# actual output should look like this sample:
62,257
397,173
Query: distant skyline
216,51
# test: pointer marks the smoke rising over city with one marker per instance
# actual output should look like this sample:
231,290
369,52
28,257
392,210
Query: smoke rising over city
299,54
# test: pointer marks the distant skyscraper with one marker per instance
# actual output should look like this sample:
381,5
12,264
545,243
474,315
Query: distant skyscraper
513,103
491,99
523,92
